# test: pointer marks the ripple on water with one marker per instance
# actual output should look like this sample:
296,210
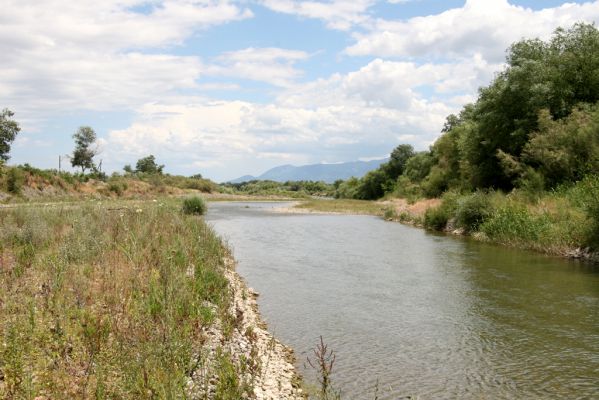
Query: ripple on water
425,315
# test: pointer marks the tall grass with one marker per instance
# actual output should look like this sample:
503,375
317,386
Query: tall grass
107,302
554,222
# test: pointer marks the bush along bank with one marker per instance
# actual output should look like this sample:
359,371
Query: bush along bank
132,302
563,222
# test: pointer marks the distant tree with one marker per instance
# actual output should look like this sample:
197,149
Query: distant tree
372,185
397,163
556,75
419,166
148,165
127,168
83,155
196,176
8,131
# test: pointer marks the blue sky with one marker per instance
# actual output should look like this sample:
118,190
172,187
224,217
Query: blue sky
228,88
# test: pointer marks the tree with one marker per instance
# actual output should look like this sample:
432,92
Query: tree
148,165
397,163
83,155
8,131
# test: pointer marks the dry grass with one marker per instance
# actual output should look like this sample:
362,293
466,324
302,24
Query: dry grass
106,301
343,206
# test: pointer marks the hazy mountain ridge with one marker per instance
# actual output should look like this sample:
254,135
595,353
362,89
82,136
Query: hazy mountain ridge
315,172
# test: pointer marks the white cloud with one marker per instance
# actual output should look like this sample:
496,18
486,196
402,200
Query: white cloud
484,27
337,119
270,65
338,14
69,55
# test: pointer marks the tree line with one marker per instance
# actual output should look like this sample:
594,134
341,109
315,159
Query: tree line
535,127
84,153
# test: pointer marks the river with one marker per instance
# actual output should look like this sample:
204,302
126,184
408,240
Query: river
425,315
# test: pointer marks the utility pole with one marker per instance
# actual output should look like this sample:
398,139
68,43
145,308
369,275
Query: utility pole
59,162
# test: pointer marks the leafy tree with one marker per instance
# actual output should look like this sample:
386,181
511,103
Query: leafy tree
372,185
148,165
397,163
83,155
554,75
419,166
563,150
347,189
8,131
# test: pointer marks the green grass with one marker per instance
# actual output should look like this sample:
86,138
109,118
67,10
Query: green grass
345,206
108,301
194,206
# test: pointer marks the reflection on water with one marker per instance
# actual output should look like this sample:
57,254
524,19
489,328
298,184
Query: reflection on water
426,315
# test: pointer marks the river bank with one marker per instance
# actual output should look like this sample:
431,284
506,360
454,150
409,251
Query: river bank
555,224
271,369
424,315
129,299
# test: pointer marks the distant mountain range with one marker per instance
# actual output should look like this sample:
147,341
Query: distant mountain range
315,172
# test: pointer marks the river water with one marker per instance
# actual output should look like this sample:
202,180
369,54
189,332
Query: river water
424,315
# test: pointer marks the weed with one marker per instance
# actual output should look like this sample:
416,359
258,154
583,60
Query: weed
14,181
102,303
194,205
322,362
472,211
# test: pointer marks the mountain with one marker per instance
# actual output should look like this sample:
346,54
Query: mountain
315,172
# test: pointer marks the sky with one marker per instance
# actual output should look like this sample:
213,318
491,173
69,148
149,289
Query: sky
227,88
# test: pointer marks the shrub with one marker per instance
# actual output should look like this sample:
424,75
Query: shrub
436,218
194,205
513,223
117,187
593,232
14,181
203,185
472,211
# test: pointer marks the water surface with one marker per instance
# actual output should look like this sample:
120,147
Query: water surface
424,315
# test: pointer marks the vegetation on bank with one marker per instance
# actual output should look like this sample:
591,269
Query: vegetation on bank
112,301
519,166
26,183
290,189
342,206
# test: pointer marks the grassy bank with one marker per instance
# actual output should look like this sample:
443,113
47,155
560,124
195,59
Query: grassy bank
342,206
113,301
24,183
563,222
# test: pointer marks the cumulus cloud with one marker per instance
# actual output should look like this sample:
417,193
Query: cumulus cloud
271,65
340,118
337,14
485,27
61,55
117,55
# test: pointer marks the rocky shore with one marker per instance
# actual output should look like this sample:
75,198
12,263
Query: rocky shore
265,365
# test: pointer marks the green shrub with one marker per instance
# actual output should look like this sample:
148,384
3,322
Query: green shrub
117,187
203,185
14,181
436,218
194,205
513,223
593,231
472,211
